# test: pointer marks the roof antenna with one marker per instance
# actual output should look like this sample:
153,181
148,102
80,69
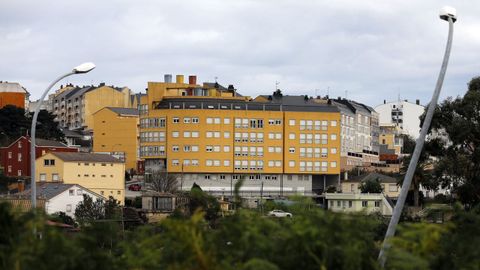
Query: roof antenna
216,78
276,85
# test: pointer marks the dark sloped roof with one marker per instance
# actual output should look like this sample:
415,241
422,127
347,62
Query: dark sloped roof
47,190
123,111
42,142
91,157
373,176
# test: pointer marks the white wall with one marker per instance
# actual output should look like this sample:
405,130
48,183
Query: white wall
411,114
60,202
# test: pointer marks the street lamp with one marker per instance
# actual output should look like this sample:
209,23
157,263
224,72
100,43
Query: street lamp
83,68
448,14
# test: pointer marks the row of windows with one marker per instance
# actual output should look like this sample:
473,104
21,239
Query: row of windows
152,123
55,177
341,203
250,177
186,120
155,150
154,136
93,175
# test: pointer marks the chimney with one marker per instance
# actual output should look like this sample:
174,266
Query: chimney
179,79
339,98
101,84
417,102
384,101
167,78
230,87
192,79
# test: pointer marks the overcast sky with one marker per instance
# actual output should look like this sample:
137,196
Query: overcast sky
367,50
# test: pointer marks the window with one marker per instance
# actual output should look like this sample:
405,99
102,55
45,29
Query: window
216,134
291,164
71,192
364,203
187,120
216,120
333,164
377,203
175,148
291,122
226,134
194,162
19,157
79,192
195,120
69,208
216,148
226,121
176,120
186,134
291,150
226,149
209,134
333,123
209,148
49,162
333,137
350,204
9,154
333,150
55,177
175,134
19,144
195,134
187,148
208,162
392,188
226,163
175,162
291,136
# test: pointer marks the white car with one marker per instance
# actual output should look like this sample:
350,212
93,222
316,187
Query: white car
279,213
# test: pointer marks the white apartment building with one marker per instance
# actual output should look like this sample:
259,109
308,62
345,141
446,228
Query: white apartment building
404,114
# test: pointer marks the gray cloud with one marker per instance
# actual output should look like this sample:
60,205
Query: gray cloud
373,50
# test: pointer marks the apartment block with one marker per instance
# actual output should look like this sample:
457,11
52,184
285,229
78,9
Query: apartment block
74,106
210,135
402,113
12,93
116,133
15,158
100,173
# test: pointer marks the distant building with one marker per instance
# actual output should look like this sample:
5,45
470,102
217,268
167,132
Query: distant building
100,173
213,136
74,106
15,158
388,183
53,197
404,114
116,132
359,202
12,93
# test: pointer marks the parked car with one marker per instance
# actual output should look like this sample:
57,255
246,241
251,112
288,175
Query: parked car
279,213
134,187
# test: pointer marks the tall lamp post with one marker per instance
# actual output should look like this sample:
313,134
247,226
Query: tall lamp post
83,68
447,14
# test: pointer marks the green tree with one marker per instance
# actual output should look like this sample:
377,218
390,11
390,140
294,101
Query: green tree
371,186
201,201
89,210
458,121
47,128
13,123
63,218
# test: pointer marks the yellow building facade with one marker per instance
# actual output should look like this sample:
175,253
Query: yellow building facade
116,132
74,107
210,135
100,173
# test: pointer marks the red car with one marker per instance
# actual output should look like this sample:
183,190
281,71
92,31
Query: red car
134,187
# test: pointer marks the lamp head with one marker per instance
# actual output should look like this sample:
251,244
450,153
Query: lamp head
448,12
84,68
